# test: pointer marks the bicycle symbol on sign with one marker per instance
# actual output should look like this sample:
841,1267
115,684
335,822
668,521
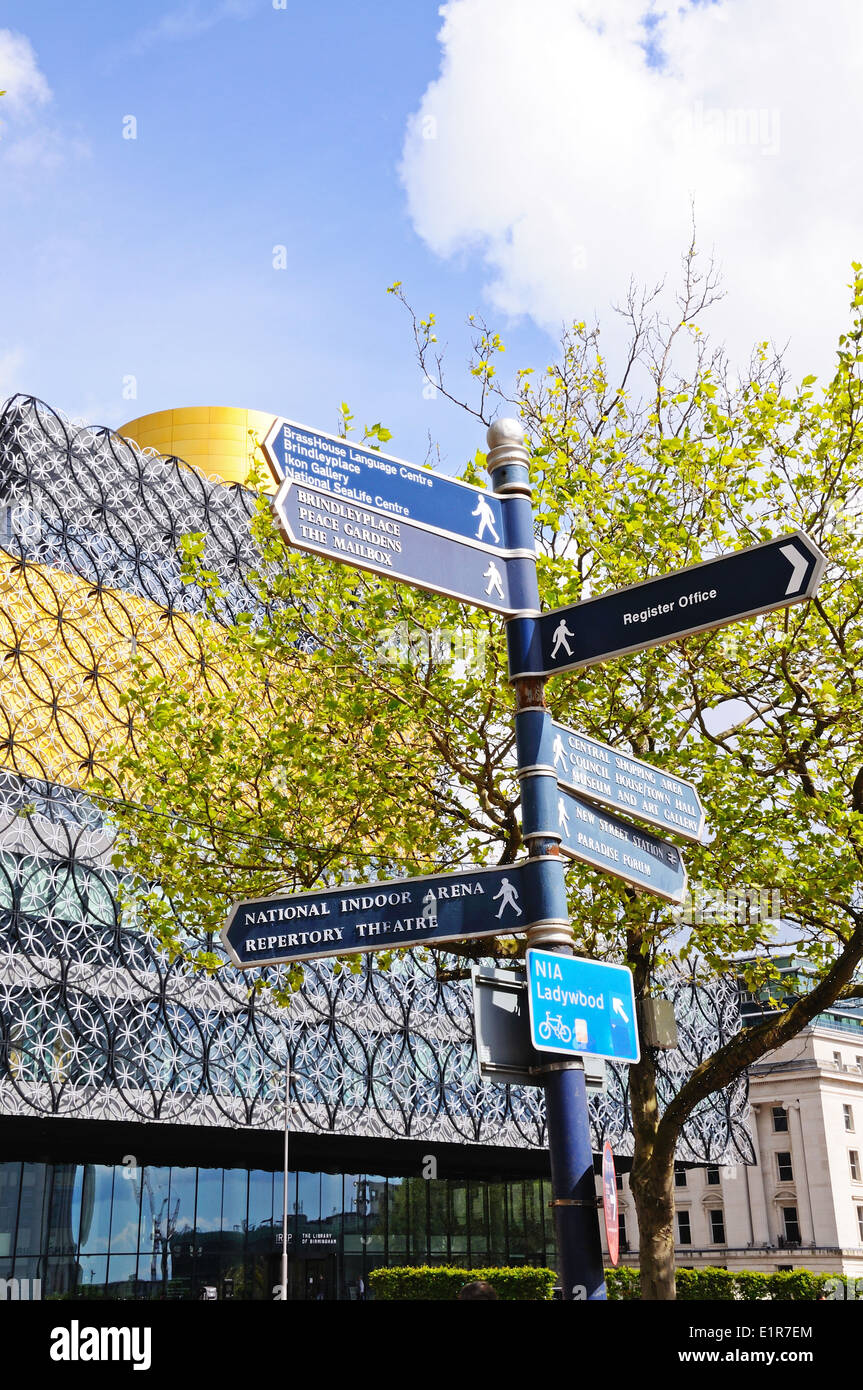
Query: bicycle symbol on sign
554,1026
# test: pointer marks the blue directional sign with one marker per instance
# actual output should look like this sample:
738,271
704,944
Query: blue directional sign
771,575
372,480
581,1006
600,773
388,545
377,916
640,859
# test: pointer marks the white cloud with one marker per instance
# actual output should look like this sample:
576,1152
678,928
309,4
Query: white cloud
20,78
28,138
566,143
190,20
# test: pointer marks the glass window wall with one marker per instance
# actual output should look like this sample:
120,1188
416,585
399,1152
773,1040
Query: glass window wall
98,1231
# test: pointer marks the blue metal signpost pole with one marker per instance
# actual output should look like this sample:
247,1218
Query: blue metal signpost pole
570,1149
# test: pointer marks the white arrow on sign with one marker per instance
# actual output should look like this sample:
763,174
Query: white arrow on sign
799,565
617,1005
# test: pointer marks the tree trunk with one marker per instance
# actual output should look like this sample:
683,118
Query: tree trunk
653,1190
652,1185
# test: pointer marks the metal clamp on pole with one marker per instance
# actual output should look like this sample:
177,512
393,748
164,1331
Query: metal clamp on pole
573,1064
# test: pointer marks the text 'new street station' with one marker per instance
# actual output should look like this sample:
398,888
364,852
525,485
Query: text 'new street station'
598,838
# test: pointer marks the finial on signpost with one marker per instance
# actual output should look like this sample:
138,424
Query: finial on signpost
508,459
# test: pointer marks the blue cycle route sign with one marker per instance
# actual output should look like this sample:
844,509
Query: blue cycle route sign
367,478
579,1006
600,839
377,916
604,774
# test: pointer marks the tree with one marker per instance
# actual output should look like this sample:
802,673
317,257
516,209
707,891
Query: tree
678,461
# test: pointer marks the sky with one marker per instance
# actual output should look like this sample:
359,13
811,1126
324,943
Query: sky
202,202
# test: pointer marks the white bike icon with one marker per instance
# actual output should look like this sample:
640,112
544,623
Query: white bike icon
556,1026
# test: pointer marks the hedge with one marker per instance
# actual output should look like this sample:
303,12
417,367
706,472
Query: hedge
528,1282
442,1282
727,1285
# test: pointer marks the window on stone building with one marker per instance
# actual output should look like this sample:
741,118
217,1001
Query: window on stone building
680,1177
684,1229
717,1226
621,1232
854,1164
837,1059
860,1224
784,1170
848,1114
712,1175
780,1119
791,1224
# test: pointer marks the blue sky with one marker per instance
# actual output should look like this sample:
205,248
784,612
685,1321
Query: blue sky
518,160
153,257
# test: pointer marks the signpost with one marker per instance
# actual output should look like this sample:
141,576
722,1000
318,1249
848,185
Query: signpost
385,543
599,773
378,916
366,478
350,503
771,575
353,504
579,1006
640,859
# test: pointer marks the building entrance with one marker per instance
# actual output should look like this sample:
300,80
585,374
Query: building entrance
311,1278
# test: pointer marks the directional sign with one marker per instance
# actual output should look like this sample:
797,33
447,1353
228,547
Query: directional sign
372,480
615,779
328,525
502,1032
377,916
600,839
767,576
581,1006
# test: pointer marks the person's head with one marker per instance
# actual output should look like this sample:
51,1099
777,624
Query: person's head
478,1289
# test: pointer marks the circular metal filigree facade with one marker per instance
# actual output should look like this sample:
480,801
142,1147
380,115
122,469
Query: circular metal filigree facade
94,1021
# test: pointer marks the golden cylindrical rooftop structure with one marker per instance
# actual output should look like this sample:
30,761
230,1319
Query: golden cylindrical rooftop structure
214,438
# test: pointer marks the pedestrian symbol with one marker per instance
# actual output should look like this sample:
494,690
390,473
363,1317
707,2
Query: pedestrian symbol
559,751
493,575
486,519
559,636
509,896
562,815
